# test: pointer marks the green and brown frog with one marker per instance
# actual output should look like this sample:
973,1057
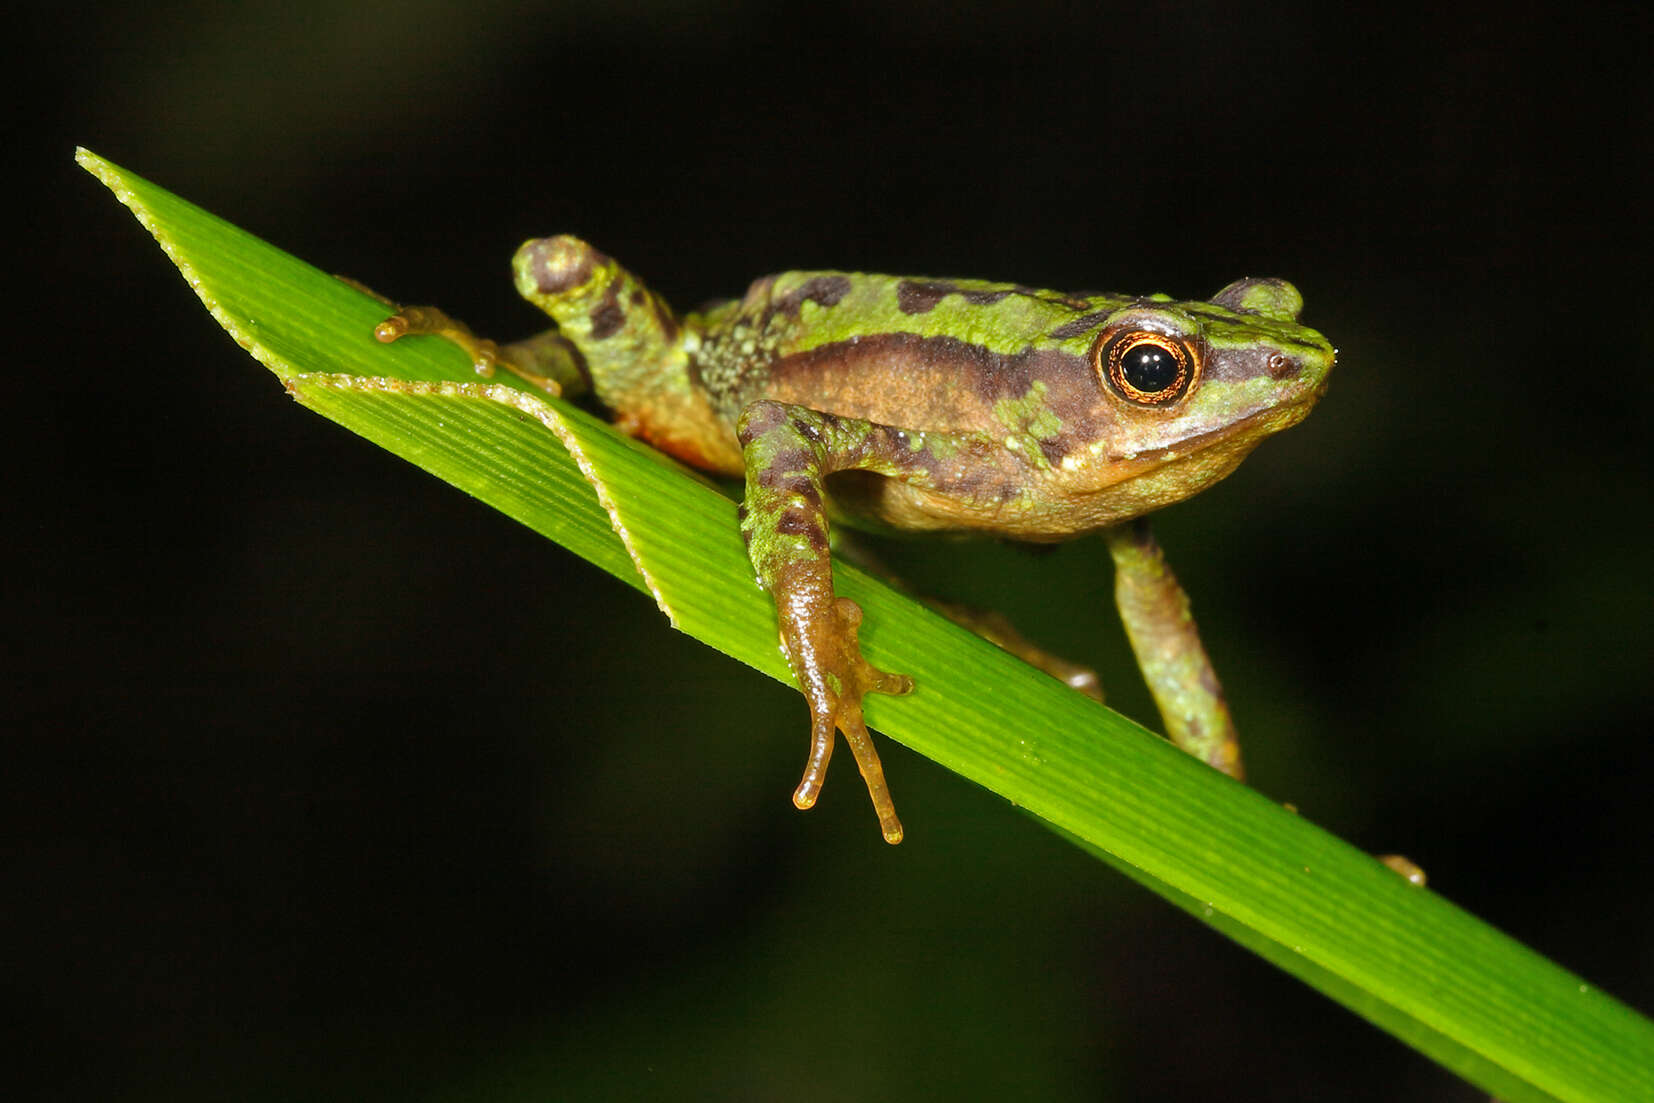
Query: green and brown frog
930,405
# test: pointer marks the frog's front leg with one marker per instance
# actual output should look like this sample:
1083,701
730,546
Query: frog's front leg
1155,611
788,451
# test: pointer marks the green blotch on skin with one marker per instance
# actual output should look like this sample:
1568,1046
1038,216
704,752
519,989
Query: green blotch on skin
942,447
1030,420
1045,424
1029,415
1005,326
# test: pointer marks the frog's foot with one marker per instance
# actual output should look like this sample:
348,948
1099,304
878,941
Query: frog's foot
835,677
428,321
1399,864
543,361
1405,866
998,630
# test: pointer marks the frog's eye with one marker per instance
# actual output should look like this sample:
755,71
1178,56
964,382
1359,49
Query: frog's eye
1148,368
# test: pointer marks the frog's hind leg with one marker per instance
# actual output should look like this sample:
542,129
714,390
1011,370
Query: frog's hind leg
992,626
998,630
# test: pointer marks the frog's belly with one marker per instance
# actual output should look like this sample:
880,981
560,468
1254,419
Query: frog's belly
875,502
1041,507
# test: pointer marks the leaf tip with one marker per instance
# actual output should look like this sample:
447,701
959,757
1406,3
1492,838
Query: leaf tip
95,165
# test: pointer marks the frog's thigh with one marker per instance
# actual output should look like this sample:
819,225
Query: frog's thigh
1155,611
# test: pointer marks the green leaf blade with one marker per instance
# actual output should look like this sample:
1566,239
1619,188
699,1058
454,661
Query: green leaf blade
1404,958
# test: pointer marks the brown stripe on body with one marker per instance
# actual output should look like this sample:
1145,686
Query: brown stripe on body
930,384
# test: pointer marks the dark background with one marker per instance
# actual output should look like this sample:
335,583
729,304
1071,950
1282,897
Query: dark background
327,781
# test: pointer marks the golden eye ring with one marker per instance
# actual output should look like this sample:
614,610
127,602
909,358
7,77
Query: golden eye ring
1146,368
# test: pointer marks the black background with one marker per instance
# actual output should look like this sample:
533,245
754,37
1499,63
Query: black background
325,780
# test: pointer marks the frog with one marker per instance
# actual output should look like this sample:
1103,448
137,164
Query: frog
919,405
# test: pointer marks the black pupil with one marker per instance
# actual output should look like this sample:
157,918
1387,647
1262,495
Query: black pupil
1149,368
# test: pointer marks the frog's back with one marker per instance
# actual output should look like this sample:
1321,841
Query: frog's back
931,354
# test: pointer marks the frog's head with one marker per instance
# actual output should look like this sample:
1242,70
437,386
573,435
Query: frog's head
1189,388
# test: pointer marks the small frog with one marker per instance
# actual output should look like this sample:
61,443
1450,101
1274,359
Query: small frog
929,405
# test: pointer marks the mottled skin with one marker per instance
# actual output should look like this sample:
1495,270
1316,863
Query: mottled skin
931,405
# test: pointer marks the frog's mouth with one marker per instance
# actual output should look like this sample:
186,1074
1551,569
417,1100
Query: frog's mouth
1242,434
1151,478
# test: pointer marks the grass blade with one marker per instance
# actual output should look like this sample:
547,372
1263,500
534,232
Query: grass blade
1446,983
